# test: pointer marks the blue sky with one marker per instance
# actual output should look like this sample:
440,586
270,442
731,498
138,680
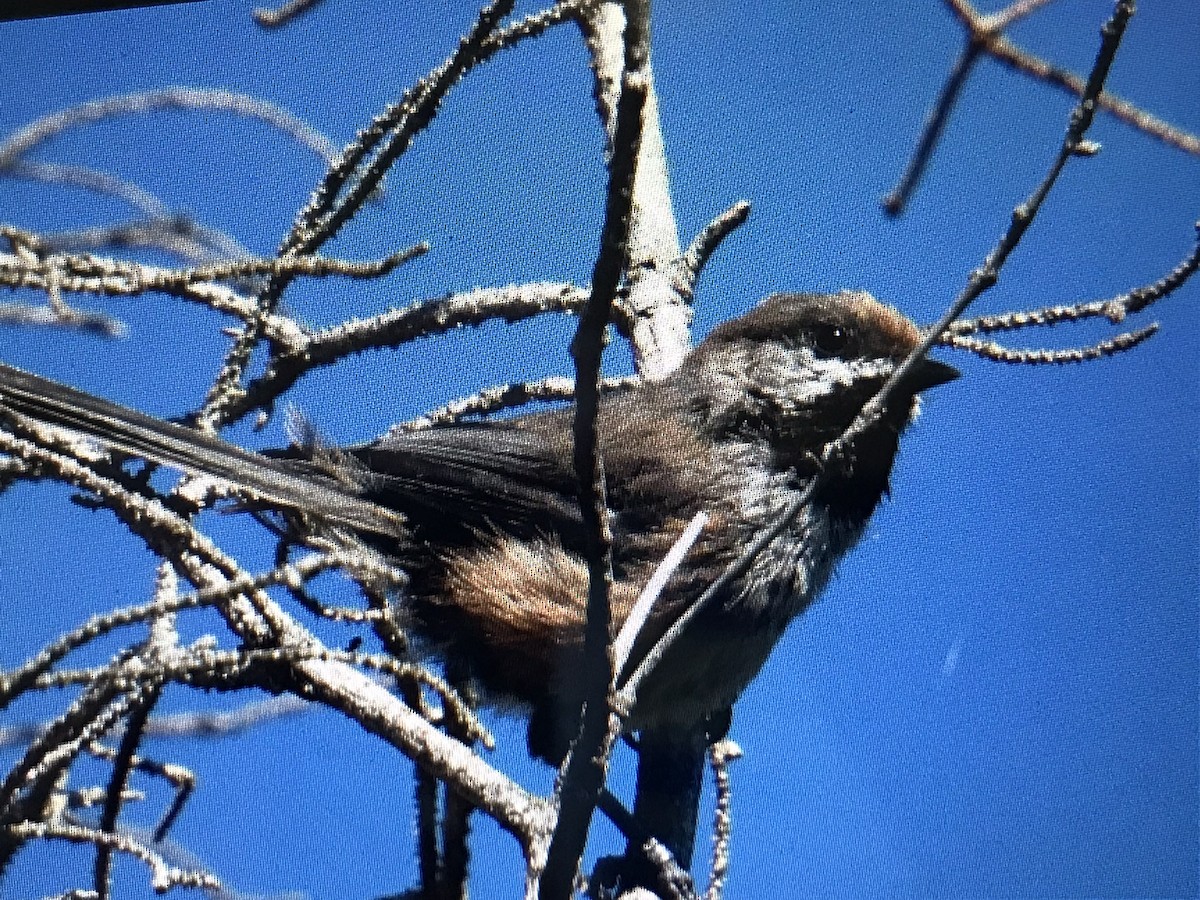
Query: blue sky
997,697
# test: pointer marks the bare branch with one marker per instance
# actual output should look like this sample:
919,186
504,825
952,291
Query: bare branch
655,314
1139,298
163,877
1042,356
56,273
389,135
23,315
721,754
642,607
40,131
27,785
313,266
113,276
520,813
508,396
984,35
253,616
1014,13
18,680
1004,51
283,14
176,234
396,327
1114,309
671,879
182,780
227,722
353,178
428,854
203,666
135,726
935,125
708,240
89,180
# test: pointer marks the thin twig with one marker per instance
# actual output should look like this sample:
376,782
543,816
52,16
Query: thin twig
428,822
21,142
332,203
396,327
163,876
1004,51
130,278
24,315
935,125
642,607
350,181
671,879
223,723
508,396
253,616
182,780
1015,12
135,726
694,259
1039,356
101,183
389,135
205,667
1115,309
178,235
282,15
84,721
260,621
984,35
13,683
721,754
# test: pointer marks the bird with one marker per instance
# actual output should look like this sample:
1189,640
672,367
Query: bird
483,517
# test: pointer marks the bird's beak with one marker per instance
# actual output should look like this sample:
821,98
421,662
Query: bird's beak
931,373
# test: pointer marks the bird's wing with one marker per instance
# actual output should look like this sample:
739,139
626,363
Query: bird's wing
517,476
514,476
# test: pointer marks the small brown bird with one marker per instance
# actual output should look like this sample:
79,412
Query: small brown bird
484,518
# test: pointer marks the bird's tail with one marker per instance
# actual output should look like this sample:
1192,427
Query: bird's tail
276,482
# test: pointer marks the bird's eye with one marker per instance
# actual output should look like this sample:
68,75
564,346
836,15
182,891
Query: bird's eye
830,340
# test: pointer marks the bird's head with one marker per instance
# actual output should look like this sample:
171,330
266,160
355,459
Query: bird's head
796,370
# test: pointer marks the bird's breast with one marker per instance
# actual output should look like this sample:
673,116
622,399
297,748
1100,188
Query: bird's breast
728,643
